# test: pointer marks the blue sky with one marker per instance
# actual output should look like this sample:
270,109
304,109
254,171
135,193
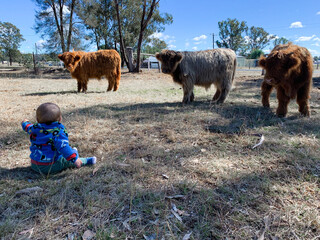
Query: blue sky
194,21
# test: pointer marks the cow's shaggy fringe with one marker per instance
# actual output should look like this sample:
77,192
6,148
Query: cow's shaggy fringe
83,66
289,70
202,68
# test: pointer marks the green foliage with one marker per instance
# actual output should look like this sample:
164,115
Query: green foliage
10,40
230,33
255,54
27,60
281,40
258,38
58,24
131,12
155,45
98,16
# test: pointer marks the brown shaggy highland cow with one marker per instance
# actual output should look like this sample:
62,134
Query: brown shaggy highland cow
289,70
83,66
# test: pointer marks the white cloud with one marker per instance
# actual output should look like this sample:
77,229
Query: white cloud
195,48
161,36
318,13
304,38
172,47
40,43
266,51
316,44
296,25
202,37
313,52
316,39
65,10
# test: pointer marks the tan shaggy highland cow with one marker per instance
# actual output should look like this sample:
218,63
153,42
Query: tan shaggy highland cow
288,70
83,66
202,68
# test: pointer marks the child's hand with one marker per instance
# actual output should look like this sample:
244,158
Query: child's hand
25,120
78,163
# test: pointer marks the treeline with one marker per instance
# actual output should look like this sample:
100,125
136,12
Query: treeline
246,41
76,24
106,23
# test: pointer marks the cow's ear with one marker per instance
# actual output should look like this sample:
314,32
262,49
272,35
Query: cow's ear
178,57
292,61
60,56
158,56
77,58
262,62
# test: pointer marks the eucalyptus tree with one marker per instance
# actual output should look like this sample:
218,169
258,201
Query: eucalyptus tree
258,38
137,20
231,34
58,24
10,40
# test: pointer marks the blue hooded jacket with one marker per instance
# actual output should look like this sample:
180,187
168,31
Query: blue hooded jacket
49,142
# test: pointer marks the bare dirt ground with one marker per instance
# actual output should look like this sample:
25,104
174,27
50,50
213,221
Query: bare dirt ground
165,170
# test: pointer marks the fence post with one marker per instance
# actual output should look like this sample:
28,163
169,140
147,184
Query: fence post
129,53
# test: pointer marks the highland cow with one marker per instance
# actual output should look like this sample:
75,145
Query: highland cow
289,70
83,66
201,68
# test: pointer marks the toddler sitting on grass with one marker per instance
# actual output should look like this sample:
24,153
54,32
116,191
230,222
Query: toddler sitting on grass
50,149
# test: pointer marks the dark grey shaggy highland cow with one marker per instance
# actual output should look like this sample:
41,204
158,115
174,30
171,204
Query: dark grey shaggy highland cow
201,68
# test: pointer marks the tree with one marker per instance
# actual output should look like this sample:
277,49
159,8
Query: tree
258,38
10,40
155,45
145,18
134,26
281,40
99,18
122,45
255,54
56,21
230,33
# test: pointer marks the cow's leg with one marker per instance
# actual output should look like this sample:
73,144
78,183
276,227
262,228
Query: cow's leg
216,95
303,100
79,85
224,91
192,97
283,100
110,82
188,95
266,90
117,77
85,85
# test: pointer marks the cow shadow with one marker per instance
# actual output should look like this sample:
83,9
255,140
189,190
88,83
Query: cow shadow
316,82
228,118
236,118
140,111
60,93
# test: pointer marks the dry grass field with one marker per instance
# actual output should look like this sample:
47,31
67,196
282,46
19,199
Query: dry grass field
165,170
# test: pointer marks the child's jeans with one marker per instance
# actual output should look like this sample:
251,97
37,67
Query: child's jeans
56,167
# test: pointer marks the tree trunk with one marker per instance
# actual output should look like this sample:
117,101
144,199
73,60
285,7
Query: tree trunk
70,25
122,47
59,26
143,26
